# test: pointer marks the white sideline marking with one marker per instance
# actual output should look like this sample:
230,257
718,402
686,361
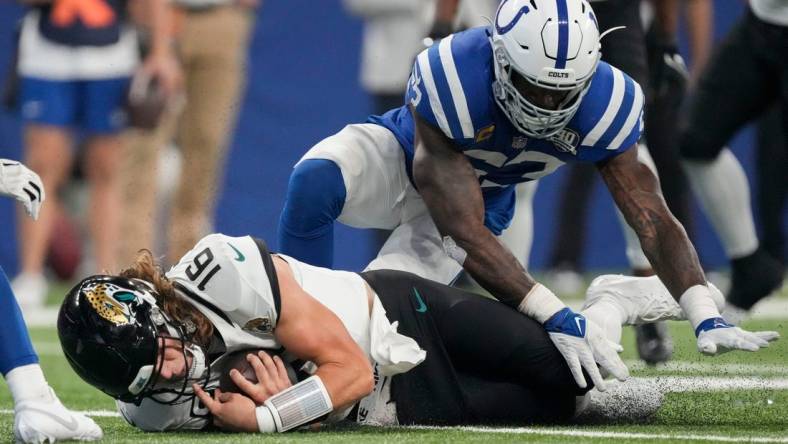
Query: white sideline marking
612,435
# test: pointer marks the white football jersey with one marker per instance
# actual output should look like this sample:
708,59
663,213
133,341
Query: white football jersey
232,281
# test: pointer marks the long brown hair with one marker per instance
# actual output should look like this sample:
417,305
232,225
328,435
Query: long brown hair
145,267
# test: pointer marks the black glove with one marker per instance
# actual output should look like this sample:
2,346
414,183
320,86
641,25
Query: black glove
667,71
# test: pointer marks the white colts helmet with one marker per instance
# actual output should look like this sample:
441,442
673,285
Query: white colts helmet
553,44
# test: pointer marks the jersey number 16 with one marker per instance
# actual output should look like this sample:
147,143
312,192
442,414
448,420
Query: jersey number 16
199,265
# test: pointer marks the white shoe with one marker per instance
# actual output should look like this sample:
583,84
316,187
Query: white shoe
48,420
643,299
565,282
734,314
30,290
634,400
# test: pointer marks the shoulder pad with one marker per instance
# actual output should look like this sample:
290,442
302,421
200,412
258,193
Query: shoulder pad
233,274
611,114
451,82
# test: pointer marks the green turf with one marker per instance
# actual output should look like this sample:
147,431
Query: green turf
744,414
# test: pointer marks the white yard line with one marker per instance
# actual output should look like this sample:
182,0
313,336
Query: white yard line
708,367
611,435
678,384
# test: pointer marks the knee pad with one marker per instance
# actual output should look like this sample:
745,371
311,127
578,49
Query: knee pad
315,197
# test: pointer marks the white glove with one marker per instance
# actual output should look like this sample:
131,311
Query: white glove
716,336
584,345
21,183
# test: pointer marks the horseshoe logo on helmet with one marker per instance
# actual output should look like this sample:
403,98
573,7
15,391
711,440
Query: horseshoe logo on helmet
503,30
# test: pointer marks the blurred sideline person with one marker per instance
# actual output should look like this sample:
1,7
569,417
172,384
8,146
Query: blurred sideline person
211,40
392,36
355,341
38,413
75,61
489,108
747,75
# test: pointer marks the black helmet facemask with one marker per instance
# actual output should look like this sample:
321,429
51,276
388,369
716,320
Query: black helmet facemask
113,331
148,382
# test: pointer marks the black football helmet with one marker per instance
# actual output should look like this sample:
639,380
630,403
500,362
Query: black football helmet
112,331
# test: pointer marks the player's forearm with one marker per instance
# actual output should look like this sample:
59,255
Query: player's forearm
159,17
347,383
668,249
496,269
450,188
489,262
700,20
667,17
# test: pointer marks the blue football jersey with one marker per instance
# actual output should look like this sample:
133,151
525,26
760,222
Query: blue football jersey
451,88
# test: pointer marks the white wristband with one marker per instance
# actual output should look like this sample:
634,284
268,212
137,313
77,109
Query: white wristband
698,305
265,419
299,404
540,304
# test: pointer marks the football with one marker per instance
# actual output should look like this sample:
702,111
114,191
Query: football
146,102
64,252
237,360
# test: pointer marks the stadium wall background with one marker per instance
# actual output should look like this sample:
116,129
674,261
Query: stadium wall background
302,87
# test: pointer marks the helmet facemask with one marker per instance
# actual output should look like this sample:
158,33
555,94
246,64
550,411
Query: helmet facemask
527,117
149,384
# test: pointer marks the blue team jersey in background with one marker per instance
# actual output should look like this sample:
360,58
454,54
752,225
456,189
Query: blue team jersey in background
451,88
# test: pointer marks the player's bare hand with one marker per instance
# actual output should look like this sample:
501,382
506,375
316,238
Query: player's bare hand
164,67
231,411
271,375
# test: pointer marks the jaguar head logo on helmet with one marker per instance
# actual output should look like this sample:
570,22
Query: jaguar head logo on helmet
545,53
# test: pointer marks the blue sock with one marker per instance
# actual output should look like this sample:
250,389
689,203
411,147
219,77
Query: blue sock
15,347
315,197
